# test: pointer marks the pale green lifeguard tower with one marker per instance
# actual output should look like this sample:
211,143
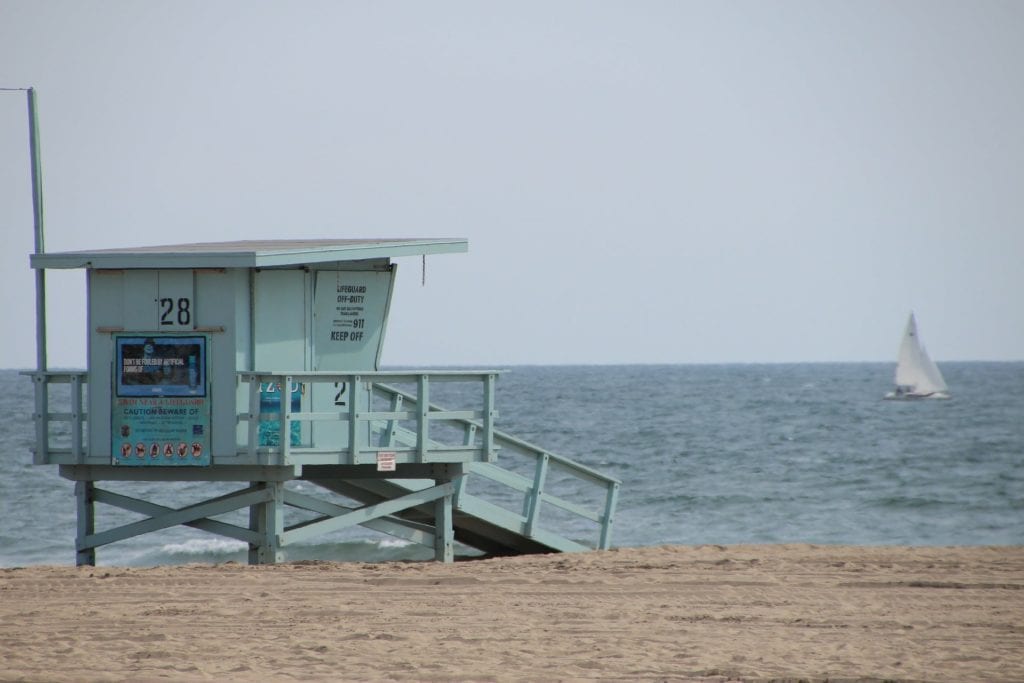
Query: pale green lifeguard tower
258,363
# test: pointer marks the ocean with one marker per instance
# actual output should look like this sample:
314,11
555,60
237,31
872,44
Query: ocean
720,454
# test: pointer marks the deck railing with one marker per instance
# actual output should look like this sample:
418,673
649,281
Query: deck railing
368,423
381,418
70,436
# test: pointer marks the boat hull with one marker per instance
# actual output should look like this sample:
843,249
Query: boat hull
894,396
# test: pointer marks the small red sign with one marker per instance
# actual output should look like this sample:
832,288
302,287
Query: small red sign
386,461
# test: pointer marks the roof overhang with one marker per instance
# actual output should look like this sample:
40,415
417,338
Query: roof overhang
249,254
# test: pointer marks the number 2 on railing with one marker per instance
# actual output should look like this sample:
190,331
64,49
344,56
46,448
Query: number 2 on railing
338,400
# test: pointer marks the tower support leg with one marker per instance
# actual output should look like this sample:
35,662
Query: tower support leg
86,510
444,530
267,520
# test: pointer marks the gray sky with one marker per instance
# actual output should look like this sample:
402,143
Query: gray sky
640,182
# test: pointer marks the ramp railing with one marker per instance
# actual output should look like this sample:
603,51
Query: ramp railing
526,483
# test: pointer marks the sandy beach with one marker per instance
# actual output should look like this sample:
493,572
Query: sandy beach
712,613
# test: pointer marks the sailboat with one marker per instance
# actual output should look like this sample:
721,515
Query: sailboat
917,376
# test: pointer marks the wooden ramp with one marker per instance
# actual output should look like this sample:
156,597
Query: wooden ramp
477,523
529,500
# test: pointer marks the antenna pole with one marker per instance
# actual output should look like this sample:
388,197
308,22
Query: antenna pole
37,216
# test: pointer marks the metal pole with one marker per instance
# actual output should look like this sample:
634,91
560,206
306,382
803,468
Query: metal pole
37,216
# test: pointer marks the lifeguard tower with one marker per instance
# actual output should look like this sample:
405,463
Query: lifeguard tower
259,363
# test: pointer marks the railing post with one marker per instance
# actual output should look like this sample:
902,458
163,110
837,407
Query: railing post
489,415
354,442
609,516
423,421
254,420
76,419
391,429
42,417
536,494
470,434
285,391
366,405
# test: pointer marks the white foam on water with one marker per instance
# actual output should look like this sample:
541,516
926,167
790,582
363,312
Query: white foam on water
204,546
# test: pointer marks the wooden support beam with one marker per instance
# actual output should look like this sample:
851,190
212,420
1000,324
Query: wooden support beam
267,520
237,473
155,510
190,513
415,532
444,539
368,512
85,554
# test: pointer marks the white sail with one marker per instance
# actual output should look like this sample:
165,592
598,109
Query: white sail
917,376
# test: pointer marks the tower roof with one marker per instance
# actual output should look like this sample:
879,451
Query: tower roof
249,253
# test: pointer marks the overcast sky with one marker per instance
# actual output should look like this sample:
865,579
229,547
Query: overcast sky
640,182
